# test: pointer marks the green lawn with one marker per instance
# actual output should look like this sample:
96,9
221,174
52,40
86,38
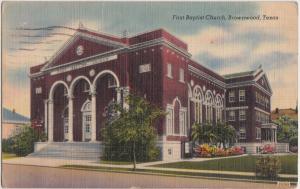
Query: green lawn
8,155
243,164
177,173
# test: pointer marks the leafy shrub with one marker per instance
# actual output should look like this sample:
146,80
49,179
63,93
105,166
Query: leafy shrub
7,145
293,141
267,167
23,141
294,149
130,135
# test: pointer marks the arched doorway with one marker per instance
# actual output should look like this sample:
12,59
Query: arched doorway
105,85
80,92
60,102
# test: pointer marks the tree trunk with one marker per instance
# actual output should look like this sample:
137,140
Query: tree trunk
134,158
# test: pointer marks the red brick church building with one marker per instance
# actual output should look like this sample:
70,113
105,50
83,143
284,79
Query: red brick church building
70,93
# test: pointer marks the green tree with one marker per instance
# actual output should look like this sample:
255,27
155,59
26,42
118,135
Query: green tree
220,134
23,141
225,134
203,133
287,128
132,134
268,167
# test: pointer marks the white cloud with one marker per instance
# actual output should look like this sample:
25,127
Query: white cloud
16,60
22,59
284,82
211,41
225,44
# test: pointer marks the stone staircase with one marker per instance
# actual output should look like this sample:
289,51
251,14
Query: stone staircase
68,150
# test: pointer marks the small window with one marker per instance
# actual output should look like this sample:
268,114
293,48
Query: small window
258,133
88,118
170,151
242,133
112,82
231,116
66,125
87,128
181,75
256,97
231,96
257,116
169,74
267,102
144,68
38,90
86,87
242,115
65,92
242,95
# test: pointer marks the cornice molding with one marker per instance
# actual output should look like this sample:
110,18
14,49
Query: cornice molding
260,110
237,108
206,76
159,41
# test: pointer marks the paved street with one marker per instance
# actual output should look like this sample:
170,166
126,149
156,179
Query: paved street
33,176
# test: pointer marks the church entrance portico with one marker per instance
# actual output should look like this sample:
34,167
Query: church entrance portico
78,112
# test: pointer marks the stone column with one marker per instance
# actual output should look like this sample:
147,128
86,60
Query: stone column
272,135
70,119
51,119
188,117
46,117
94,130
224,106
275,135
118,90
125,94
122,93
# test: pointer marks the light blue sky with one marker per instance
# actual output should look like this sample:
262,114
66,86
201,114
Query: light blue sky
224,46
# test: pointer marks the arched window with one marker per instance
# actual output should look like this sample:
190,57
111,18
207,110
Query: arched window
176,119
219,108
198,100
209,102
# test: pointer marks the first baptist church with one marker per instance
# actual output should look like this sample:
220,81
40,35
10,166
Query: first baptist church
70,92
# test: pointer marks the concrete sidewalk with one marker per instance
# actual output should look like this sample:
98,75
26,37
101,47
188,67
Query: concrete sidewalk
51,162
56,162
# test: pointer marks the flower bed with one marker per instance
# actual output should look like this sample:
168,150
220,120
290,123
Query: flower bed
267,149
206,150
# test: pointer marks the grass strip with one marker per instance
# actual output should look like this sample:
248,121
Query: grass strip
8,155
239,164
183,174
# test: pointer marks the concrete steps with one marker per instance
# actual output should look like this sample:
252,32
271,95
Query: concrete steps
69,150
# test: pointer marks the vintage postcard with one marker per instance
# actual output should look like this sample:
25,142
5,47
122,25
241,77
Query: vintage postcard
149,94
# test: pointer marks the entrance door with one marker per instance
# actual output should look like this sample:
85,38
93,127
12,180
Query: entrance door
66,123
86,121
87,117
66,128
